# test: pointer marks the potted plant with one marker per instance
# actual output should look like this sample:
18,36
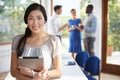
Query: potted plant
110,46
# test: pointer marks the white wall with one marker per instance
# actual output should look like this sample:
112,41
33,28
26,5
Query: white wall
47,5
5,58
98,13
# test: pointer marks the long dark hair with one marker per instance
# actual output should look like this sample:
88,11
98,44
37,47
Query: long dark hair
34,6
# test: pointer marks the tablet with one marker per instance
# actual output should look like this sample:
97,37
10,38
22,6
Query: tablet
35,63
70,63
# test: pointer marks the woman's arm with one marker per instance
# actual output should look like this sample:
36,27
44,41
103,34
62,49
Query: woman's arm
51,74
62,27
14,70
80,26
57,64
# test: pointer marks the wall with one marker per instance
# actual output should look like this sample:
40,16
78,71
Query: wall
98,13
5,55
47,5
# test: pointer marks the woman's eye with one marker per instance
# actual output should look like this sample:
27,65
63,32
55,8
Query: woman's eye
30,18
39,18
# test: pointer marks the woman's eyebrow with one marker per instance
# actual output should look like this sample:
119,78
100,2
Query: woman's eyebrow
39,15
30,16
36,16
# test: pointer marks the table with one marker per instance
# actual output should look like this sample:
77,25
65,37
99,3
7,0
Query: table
69,72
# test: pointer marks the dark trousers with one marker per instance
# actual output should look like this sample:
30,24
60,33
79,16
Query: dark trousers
59,37
89,45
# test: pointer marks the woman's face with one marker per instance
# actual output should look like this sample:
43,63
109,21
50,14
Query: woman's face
73,13
36,21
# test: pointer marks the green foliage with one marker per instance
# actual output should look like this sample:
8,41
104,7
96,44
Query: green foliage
1,9
110,43
83,4
114,24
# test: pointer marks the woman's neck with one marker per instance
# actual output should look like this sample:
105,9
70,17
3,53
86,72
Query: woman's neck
39,35
74,17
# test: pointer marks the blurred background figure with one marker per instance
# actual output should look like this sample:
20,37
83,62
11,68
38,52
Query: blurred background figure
75,34
90,25
54,24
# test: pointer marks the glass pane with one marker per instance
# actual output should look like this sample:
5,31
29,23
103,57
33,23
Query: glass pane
113,49
11,18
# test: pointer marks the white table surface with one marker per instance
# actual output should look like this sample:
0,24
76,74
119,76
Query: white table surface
69,72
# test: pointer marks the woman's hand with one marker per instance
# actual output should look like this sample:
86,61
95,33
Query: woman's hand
70,29
43,75
78,28
25,71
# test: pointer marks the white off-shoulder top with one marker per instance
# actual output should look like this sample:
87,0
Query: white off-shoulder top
48,51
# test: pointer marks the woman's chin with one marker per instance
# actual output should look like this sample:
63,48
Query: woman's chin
36,31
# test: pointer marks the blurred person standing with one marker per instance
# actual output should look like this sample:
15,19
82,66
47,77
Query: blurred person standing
75,28
90,25
55,23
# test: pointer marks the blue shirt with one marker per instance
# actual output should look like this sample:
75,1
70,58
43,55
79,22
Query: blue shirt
90,25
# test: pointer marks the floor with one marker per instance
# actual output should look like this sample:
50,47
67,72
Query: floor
104,76
3,75
114,58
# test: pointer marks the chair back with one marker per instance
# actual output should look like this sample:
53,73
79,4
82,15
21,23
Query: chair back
93,65
81,58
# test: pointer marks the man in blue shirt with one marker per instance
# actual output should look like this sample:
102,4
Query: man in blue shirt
90,25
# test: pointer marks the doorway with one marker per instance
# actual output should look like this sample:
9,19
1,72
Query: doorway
110,36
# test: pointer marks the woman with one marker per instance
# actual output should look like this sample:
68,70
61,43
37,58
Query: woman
75,29
40,43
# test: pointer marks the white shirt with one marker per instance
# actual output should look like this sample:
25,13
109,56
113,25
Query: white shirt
53,25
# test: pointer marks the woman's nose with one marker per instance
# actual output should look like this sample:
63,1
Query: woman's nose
35,22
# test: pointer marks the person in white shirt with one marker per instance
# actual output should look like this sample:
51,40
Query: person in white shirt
55,23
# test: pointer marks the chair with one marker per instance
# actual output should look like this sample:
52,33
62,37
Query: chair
81,58
90,77
92,66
